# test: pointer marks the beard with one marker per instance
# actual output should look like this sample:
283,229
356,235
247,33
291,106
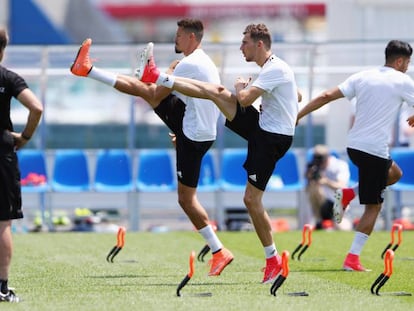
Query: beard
177,50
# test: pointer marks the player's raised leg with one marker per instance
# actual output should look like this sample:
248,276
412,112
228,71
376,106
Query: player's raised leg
147,71
83,66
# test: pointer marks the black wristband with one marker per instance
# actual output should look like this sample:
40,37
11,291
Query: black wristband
25,136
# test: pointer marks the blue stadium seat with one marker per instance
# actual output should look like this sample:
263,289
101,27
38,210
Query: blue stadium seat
208,175
404,157
155,171
233,176
286,175
32,161
113,171
71,172
33,169
353,169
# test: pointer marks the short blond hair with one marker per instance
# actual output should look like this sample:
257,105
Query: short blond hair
321,150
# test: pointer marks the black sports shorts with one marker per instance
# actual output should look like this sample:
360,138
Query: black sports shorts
10,192
189,153
264,148
373,174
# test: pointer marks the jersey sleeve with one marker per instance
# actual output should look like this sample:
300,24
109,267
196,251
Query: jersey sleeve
17,83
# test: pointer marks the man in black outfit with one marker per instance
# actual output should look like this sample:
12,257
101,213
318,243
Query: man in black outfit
12,85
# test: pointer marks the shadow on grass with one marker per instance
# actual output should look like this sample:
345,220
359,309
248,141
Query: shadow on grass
320,270
135,276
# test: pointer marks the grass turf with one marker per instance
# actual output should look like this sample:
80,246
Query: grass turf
68,271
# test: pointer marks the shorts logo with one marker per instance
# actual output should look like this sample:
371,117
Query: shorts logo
180,174
253,177
2,89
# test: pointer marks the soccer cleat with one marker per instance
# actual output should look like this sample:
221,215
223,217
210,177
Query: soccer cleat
352,263
9,297
147,71
219,261
342,199
273,269
82,65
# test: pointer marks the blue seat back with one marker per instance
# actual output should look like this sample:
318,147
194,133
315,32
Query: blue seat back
208,175
155,171
33,161
353,170
113,171
286,173
71,172
404,157
233,175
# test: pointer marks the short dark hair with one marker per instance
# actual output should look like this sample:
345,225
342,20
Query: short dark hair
396,49
4,39
259,32
192,25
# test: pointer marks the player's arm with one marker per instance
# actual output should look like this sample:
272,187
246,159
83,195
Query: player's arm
28,99
319,101
246,96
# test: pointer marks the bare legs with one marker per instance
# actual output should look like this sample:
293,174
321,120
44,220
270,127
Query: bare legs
223,98
187,198
260,218
151,93
6,249
370,215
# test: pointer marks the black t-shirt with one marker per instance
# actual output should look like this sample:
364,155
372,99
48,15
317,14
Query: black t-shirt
11,84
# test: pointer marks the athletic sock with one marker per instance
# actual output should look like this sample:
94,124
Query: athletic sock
211,238
270,251
165,80
359,241
103,76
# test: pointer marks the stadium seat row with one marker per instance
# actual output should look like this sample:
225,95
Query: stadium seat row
155,171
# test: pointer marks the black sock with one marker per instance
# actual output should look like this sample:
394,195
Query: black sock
3,286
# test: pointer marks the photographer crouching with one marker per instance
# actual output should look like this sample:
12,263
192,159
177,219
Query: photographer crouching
324,174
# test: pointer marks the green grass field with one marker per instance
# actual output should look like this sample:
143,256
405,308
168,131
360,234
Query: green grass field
68,271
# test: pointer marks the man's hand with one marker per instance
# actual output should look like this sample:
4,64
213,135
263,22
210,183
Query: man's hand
19,141
241,83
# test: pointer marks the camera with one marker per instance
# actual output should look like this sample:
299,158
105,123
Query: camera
314,169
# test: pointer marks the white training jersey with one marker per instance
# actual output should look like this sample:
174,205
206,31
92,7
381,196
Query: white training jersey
279,107
201,115
337,170
379,94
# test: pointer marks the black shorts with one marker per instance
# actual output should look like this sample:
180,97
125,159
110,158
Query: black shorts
189,153
264,149
373,174
10,192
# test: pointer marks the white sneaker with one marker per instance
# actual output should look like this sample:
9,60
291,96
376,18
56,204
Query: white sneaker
342,199
146,65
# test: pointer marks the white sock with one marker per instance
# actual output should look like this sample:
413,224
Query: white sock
270,251
104,76
359,241
211,238
165,80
